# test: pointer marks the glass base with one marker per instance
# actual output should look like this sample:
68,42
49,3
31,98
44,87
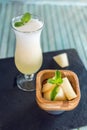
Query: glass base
26,82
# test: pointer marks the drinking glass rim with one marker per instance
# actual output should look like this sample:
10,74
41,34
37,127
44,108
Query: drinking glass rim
12,21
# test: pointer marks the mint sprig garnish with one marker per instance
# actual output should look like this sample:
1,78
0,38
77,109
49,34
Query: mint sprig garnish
25,18
18,24
57,80
54,92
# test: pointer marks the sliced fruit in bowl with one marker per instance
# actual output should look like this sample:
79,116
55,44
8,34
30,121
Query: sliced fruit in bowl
57,90
59,94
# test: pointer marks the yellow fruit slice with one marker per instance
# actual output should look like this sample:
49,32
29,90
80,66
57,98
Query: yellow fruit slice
47,87
47,95
62,60
60,95
68,89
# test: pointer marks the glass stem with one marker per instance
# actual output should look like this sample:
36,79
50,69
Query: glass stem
29,77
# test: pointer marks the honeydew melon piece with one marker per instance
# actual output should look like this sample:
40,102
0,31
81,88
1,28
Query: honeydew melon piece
68,89
60,95
47,95
62,60
47,87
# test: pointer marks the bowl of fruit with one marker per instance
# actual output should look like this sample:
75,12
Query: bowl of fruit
57,90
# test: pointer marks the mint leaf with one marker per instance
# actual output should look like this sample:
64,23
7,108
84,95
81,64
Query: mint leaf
52,81
54,92
18,24
57,74
59,80
56,79
26,17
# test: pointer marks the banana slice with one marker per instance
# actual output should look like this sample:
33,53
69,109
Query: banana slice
68,89
62,60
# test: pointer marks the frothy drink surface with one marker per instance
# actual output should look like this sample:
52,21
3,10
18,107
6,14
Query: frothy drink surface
28,53
32,25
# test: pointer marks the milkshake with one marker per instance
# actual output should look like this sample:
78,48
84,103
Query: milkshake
28,53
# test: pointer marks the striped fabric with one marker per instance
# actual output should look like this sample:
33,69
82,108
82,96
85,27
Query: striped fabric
65,26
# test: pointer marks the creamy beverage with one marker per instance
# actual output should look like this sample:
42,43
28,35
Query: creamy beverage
28,54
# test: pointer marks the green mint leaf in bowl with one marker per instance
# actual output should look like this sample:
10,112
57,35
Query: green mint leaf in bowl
54,92
56,79
57,75
26,17
59,81
52,81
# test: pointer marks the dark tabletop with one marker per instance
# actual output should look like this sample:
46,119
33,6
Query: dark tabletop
19,110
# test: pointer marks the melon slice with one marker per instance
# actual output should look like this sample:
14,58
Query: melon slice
47,87
59,97
68,89
61,60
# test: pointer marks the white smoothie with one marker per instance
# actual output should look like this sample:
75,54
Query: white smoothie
28,53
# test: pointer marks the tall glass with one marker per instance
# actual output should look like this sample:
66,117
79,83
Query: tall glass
28,55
